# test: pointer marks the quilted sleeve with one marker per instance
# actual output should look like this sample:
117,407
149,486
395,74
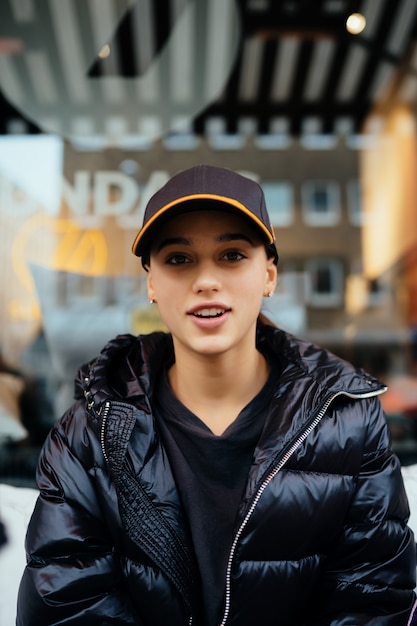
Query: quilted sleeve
370,577
72,575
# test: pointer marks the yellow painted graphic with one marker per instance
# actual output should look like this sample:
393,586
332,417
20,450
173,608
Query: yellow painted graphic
58,244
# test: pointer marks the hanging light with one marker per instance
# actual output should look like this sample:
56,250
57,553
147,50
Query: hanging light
355,23
104,52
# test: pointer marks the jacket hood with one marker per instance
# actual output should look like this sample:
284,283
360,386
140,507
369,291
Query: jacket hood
325,368
124,369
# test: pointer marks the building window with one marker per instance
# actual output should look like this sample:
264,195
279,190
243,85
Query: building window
321,203
218,137
86,291
354,198
325,283
286,288
378,292
279,197
287,307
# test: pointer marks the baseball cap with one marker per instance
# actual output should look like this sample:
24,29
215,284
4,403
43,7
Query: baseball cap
205,187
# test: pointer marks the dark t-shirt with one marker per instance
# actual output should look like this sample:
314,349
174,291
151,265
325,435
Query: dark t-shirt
211,472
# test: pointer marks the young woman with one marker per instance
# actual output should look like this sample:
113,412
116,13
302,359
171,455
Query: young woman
226,473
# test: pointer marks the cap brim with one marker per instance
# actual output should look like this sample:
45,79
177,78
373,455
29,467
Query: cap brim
190,203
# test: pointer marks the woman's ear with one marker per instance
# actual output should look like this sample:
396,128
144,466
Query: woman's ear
151,292
271,276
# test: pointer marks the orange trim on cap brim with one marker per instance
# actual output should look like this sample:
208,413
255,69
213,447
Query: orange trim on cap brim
203,196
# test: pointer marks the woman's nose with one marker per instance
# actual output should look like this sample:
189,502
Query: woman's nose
206,279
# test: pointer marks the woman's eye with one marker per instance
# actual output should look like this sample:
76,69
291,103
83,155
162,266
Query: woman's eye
177,259
233,256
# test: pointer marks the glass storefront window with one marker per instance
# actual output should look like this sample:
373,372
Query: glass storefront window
102,102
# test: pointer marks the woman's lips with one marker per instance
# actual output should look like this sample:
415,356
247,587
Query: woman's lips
211,316
209,312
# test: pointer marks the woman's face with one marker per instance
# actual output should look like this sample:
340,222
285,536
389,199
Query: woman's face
208,273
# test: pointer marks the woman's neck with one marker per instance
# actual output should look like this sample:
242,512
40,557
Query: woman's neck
216,389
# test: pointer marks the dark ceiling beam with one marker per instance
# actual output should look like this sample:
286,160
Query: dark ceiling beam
306,19
265,81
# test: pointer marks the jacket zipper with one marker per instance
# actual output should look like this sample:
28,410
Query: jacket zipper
104,413
285,457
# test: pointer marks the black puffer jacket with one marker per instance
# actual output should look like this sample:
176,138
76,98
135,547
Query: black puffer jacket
321,537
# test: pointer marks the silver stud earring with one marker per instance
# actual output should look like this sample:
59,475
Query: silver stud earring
152,301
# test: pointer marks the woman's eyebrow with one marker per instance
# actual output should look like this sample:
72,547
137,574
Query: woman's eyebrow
184,241
234,237
170,241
